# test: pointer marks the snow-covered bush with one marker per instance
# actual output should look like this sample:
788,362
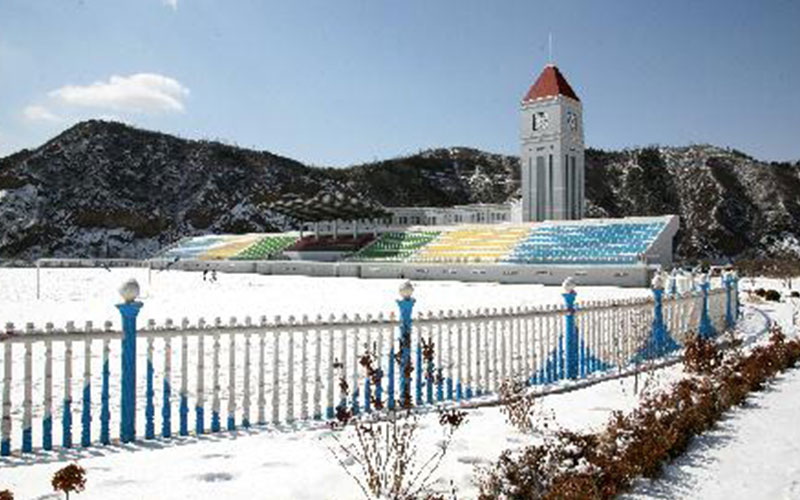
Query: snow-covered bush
602,465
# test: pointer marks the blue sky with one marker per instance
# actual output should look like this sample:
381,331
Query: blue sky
340,82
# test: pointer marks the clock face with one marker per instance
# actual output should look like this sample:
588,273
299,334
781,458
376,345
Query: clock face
572,121
540,121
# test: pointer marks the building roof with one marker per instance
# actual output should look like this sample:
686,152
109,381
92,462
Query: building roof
550,83
327,206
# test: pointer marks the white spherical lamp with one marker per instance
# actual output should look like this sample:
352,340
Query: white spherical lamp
406,290
568,285
129,290
658,281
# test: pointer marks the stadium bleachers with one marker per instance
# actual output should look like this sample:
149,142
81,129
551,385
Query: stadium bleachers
233,245
342,243
589,243
395,246
229,246
265,247
473,244
193,248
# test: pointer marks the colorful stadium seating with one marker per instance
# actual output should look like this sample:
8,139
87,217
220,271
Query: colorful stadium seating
193,248
229,246
343,243
473,244
588,243
395,246
233,246
265,247
619,241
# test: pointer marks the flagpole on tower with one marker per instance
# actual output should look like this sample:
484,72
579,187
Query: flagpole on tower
550,48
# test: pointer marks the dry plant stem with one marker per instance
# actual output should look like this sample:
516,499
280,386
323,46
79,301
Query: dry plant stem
385,448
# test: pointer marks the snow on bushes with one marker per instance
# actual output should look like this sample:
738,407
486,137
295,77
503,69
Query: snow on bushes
571,465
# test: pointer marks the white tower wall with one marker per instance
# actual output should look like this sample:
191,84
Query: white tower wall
552,159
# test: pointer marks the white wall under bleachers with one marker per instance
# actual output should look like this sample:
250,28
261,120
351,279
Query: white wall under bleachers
594,275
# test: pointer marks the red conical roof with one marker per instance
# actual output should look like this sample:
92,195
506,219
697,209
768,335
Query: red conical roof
550,84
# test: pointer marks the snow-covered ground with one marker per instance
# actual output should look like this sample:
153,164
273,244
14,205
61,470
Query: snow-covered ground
297,463
754,453
90,294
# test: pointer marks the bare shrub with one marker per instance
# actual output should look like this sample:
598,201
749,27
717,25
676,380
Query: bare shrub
70,478
701,356
384,448
6,495
518,407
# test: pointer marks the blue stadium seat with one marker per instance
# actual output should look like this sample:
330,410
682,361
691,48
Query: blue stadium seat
590,243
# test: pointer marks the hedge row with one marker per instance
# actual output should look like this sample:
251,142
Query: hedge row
573,465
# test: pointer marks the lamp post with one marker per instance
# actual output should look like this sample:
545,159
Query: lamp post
571,341
129,309
406,305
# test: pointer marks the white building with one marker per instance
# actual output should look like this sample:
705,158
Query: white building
552,157
551,163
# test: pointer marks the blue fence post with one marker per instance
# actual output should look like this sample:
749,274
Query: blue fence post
129,309
571,346
737,310
105,411
706,329
406,305
727,280
660,342
419,371
390,382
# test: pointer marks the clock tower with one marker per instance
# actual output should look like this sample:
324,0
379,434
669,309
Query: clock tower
551,160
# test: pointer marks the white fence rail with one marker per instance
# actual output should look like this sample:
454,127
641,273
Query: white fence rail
279,371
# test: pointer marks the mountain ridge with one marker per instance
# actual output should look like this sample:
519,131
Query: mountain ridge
106,189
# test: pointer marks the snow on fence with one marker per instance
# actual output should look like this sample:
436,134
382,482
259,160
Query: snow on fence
283,370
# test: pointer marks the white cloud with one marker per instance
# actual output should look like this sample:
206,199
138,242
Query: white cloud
37,113
171,3
139,93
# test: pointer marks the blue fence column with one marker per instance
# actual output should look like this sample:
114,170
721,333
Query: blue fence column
571,341
660,341
129,310
406,305
390,398
727,280
706,329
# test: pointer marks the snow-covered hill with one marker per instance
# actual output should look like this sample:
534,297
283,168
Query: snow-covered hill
107,189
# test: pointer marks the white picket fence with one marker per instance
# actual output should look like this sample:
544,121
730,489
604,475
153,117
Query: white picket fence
213,375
